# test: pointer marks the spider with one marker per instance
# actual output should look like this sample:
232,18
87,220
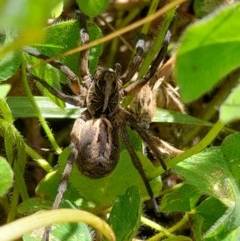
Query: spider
95,133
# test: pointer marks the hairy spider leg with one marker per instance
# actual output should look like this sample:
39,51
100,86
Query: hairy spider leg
144,136
62,186
73,100
73,79
136,60
83,57
137,85
137,163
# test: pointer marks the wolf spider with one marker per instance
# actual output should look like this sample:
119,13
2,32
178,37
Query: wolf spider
95,134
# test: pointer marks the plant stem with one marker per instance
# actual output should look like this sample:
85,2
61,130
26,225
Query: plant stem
17,228
13,141
156,226
6,112
12,210
155,48
171,230
37,158
38,112
151,10
211,135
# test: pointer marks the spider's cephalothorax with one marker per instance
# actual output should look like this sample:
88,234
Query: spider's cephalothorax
104,92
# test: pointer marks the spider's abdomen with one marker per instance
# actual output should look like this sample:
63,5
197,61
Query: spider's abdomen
98,147
104,93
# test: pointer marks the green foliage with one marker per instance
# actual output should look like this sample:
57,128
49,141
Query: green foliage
203,7
63,231
168,116
183,198
6,174
26,18
206,202
15,153
61,37
66,232
213,173
47,107
209,50
93,7
10,62
229,110
98,194
125,214
12,14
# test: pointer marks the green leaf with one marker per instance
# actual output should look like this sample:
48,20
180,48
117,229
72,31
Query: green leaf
215,172
22,108
5,111
71,232
95,52
57,10
203,7
181,199
168,116
209,211
125,214
26,18
6,175
60,38
211,168
64,36
25,14
10,62
93,8
9,65
62,231
233,236
231,148
5,88
33,205
14,146
100,193
208,51
229,110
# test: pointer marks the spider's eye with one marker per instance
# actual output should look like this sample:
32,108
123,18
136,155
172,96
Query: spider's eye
109,76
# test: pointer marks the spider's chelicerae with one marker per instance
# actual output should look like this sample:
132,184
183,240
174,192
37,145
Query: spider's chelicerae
95,134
